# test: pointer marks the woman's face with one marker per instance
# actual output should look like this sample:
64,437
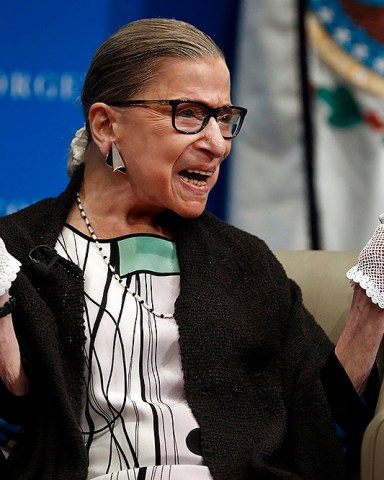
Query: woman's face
163,164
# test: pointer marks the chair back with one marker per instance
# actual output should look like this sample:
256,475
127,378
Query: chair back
327,292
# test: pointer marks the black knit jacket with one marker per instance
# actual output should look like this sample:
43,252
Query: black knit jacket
251,354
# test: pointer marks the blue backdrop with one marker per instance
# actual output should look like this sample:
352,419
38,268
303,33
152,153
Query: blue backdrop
45,50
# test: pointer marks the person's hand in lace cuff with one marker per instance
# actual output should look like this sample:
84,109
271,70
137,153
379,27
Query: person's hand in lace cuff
11,368
359,342
9,268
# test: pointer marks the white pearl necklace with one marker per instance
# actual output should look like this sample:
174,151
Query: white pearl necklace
112,269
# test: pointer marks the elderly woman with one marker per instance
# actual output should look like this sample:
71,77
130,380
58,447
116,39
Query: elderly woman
143,338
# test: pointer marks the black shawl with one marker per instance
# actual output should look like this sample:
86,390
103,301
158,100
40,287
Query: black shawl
251,354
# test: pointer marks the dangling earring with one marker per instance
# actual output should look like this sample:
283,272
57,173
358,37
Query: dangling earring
114,160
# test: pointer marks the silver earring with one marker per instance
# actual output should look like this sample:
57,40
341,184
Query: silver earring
114,160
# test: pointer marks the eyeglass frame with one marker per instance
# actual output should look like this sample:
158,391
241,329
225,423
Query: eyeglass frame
212,112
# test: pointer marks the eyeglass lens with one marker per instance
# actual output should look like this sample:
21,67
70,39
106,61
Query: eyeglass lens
190,118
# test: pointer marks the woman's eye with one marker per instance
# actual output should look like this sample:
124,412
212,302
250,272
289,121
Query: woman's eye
191,111
187,113
226,118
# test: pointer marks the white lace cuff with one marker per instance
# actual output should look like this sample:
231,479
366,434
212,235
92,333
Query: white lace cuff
9,267
369,285
369,271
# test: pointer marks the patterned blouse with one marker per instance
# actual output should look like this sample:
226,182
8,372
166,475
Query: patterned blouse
136,421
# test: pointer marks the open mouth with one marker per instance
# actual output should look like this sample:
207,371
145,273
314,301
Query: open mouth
198,178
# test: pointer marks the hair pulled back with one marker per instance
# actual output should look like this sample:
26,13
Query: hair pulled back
130,58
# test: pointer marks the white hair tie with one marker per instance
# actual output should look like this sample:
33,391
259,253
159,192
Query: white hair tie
77,149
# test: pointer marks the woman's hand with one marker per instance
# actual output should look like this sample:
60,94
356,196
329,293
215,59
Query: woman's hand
360,340
11,368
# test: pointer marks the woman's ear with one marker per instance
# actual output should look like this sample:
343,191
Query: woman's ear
101,119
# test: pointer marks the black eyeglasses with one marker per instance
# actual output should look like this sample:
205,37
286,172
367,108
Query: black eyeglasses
191,117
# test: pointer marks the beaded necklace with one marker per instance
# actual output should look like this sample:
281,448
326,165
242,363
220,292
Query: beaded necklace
112,269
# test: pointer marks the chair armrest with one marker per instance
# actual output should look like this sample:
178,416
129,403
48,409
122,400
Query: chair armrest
372,450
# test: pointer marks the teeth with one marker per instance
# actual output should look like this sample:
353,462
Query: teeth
200,172
193,181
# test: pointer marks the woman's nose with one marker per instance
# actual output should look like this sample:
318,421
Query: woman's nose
216,143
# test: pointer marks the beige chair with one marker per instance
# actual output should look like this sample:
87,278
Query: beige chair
327,294
326,291
372,452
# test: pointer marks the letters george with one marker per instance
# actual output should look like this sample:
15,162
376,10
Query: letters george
51,86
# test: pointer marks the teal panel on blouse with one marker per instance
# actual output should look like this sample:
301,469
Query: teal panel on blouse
147,253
